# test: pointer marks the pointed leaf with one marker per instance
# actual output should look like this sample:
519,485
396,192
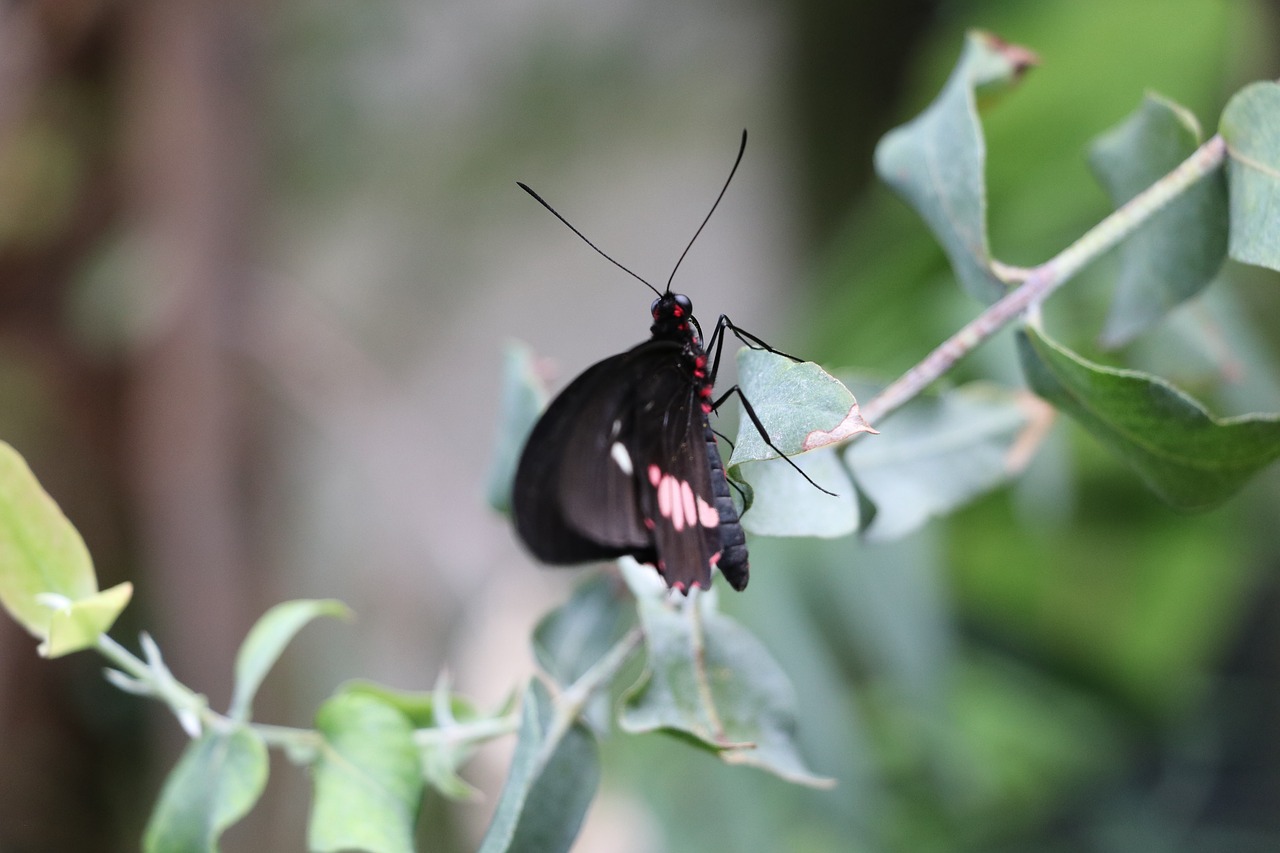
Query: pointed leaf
1253,173
217,781
938,453
523,398
1191,459
552,780
46,574
1177,252
367,784
801,406
937,161
709,679
78,625
267,640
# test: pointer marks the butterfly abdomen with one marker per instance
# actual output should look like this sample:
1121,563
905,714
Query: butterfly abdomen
733,542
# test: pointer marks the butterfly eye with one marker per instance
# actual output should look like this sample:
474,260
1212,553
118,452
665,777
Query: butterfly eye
653,309
684,303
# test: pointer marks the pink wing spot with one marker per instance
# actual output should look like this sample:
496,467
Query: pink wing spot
688,504
655,474
664,497
678,586
707,515
715,559
676,502
648,523
851,425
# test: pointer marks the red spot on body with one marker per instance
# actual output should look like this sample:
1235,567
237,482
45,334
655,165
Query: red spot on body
706,408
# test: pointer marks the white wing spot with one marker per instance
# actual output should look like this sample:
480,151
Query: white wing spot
622,457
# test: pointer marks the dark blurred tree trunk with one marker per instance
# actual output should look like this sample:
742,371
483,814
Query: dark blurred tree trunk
128,120
849,64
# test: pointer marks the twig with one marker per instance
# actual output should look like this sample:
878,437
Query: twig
1039,282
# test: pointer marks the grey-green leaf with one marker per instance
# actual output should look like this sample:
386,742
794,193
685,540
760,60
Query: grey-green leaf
573,637
1178,251
216,782
1253,173
267,640
709,679
1191,459
785,504
937,453
801,406
523,398
368,786
552,780
937,161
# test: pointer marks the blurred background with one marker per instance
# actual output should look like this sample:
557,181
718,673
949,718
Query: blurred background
258,265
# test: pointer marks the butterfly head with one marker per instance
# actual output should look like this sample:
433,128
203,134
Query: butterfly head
673,318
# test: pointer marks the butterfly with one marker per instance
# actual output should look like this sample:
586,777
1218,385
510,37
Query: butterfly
624,461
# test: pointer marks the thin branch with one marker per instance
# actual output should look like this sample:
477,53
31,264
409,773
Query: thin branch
1039,282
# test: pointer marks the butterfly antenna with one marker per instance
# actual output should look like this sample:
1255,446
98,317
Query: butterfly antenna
601,252
741,148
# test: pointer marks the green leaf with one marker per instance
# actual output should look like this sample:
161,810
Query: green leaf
1191,459
267,640
804,409
217,781
523,398
801,406
1253,173
47,582
421,707
937,160
1177,252
937,453
574,636
552,780
78,625
439,758
709,679
785,504
367,785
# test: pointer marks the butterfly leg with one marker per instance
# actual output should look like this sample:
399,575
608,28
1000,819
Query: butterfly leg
755,421
716,343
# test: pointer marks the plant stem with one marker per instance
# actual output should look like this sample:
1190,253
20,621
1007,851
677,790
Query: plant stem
182,700
1039,282
573,699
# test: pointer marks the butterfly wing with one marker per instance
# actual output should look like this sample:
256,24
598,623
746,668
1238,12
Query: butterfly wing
674,478
572,502
619,464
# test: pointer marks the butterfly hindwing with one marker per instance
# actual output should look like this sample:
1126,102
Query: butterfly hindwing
676,495
555,463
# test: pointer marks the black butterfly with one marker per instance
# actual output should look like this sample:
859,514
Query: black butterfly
624,460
